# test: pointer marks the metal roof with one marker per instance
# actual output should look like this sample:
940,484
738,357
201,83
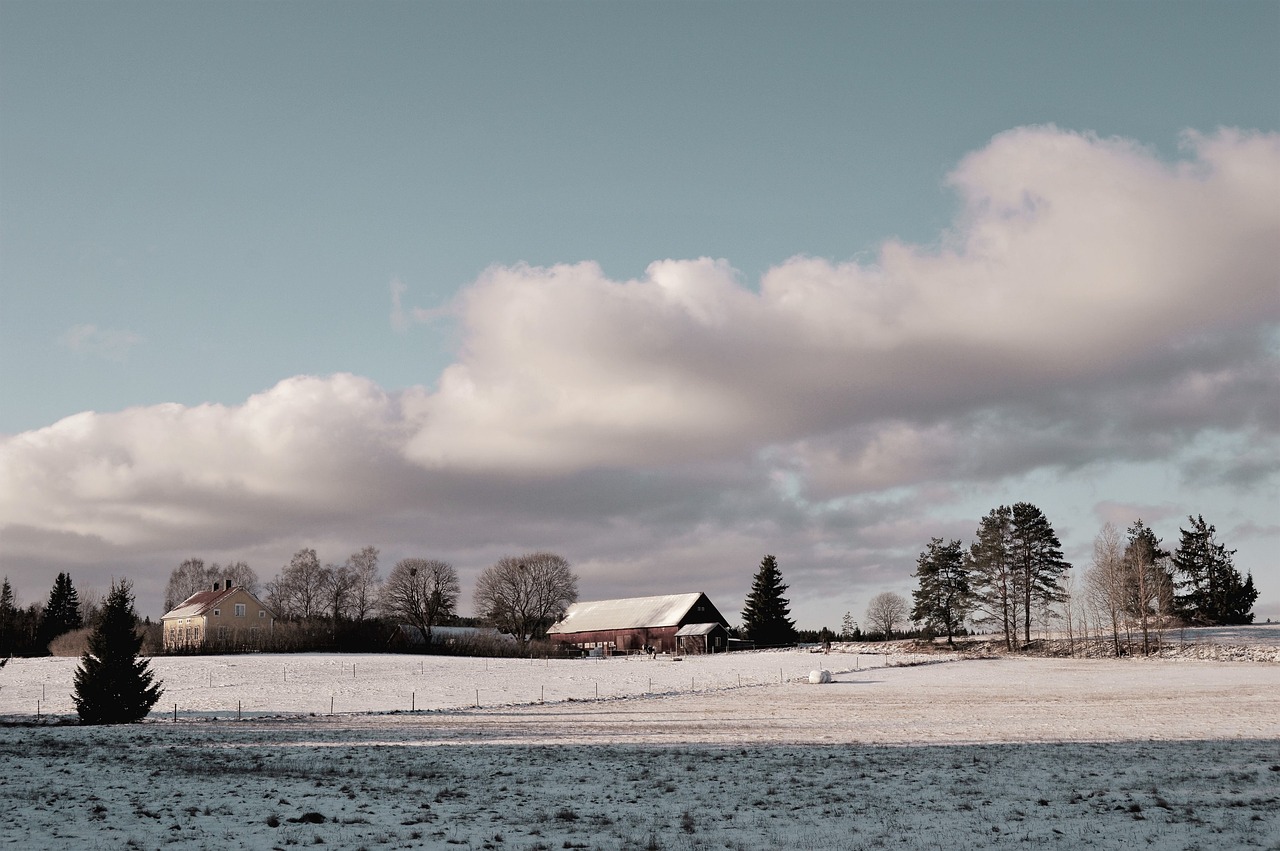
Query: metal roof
629,613
698,629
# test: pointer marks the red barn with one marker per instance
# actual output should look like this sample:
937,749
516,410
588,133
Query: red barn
674,623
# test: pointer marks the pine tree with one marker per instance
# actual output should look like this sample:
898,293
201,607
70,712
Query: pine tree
1037,559
1213,592
62,612
112,685
766,614
992,577
943,598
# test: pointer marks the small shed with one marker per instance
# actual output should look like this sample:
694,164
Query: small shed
693,638
636,624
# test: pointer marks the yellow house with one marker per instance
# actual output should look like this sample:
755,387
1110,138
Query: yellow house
224,618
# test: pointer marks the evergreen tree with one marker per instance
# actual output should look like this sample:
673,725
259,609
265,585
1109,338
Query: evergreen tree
1212,591
995,598
766,614
1148,586
112,685
942,601
1037,560
8,619
62,612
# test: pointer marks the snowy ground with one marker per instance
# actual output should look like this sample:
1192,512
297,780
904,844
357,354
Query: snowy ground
961,753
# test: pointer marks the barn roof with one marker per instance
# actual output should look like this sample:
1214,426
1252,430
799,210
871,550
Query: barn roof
628,613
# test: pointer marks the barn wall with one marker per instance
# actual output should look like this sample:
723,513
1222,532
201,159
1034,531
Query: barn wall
624,640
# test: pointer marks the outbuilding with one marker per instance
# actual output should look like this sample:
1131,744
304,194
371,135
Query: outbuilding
673,623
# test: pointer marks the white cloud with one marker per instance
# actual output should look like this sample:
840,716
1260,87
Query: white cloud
105,343
1091,305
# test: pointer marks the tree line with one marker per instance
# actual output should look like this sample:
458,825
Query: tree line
1013,581
347,606
1012,577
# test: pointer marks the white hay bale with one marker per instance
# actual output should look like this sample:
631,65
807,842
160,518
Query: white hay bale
819,677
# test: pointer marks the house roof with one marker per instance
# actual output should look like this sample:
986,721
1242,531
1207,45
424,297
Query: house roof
202,602
628,613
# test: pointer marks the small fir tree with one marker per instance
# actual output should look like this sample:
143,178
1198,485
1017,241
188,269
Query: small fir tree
848,627
62,612
766,615
112,685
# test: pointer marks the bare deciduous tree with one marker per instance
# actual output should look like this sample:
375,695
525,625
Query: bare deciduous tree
1105,583
298,592
193,575
364,595
421,592
525,595
338,584
886,611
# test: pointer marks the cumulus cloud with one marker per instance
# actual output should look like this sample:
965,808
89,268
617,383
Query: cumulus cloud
105,343
1079,269
1091,304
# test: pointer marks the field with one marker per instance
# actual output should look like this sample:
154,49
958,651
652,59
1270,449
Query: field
732,752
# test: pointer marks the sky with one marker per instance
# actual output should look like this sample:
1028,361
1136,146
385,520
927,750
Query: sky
660,287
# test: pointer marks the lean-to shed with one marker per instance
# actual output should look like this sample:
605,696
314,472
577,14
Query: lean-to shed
636,623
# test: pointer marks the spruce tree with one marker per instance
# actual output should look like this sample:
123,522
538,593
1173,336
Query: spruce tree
112,685
1212,590
62,612
8,619
766,614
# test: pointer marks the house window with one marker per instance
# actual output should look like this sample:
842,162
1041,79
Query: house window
239,610
217,613
261,613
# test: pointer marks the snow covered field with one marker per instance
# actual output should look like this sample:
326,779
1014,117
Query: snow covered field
963,753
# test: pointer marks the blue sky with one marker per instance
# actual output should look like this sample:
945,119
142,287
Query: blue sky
201,201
